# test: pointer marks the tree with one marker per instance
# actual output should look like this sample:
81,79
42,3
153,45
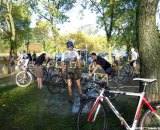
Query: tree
7,16
98,44
14,19
149,44
53,11
41,33
126,24
109,16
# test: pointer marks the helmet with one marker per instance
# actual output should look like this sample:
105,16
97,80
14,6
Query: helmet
70,44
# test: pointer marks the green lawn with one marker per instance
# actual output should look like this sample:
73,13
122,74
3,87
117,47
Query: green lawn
24,108
33,109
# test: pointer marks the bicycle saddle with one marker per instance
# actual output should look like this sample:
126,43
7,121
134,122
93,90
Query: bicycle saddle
145,80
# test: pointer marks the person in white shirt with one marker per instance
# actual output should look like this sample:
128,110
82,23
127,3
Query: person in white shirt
23,59
72,59
133,59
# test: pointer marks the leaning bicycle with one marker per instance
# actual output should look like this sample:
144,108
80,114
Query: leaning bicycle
92,114
25,77
57,79
91,86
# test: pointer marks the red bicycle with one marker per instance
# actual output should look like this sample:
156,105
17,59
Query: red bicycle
93,115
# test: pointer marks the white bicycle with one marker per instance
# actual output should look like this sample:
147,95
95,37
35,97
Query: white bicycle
25,77
93,113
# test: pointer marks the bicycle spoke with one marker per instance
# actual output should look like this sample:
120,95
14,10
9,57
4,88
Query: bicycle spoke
98,124
150,121
23,79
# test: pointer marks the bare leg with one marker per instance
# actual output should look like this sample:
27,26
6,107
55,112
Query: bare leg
69,83
107,79
80,89
79,86
134,70
38,82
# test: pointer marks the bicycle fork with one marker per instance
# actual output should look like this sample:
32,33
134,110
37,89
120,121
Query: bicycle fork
96,107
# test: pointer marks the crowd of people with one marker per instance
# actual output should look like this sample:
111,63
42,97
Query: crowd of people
71,65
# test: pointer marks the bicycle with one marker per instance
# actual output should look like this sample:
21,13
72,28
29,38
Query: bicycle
57,79
25,77
125,72
111,83
93,112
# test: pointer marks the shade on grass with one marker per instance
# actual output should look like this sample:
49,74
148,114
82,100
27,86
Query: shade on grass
28,108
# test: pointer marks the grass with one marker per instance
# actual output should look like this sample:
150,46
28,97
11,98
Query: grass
23,108
28,109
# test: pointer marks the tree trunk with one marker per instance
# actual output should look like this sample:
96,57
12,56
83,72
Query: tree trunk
149,47
11,30
11,27
110,53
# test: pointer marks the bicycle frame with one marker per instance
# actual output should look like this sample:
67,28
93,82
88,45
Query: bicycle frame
105,76
102,98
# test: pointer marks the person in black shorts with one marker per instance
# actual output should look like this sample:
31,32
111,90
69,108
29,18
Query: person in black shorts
101,62
71,59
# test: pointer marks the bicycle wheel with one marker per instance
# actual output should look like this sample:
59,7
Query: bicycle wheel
122,74
149,121
23,78
113,85
56,82
90,89
45,75
101,119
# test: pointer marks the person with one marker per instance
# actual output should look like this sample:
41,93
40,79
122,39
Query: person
100,62
23,59
11,62
29,57
34,57
116,60
72,60
52,57
133,59
38,68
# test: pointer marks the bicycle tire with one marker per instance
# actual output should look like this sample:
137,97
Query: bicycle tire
22,80
122,74
149,120
55,81
113,86
90,89
100,122
91,86
45,75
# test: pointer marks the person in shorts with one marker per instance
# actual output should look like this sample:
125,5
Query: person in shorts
133,59
23,59
70,63
101,62
38,69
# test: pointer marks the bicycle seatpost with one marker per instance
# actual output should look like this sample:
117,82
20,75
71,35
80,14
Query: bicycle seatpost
145,85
